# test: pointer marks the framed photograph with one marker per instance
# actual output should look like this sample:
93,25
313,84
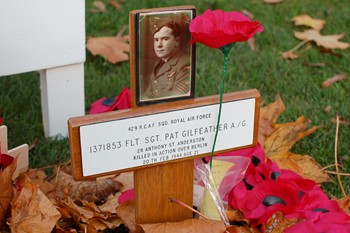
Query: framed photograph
162,61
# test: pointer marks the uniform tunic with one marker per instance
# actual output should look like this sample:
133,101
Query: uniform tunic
171,78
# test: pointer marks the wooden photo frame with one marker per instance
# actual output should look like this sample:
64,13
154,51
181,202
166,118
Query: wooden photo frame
162,60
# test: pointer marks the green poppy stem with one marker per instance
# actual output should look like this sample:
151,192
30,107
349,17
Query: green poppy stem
222,87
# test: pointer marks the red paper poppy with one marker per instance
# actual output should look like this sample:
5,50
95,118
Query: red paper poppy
5,161
122,101
216,29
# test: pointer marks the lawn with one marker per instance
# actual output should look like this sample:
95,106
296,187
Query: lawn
298,84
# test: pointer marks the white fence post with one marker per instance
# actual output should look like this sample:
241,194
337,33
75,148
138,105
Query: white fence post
62,96
49,36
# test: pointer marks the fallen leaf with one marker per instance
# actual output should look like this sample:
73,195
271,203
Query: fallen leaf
116,4
333,79
278,223
114,49
342,121
289,55
32,211
344,204
99,6
85,190
278,139
304,165
189,225
7,191
111,204
328,109
286,135
33,144
329,51
38,177
126,212
241,229
268,118
272,1
307,20
247,13
126,179
251,43
320,64
328,41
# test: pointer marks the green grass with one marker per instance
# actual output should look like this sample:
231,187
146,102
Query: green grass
298,85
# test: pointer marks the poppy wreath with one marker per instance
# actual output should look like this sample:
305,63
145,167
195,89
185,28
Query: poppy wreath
266,189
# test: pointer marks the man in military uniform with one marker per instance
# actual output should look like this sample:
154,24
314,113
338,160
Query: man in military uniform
171,74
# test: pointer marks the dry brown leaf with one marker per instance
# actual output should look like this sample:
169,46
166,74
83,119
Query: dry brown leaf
242,229
329,51
247,13
126,212
327,41
99,6
84,190
126,179
328,109
289,55
116,4
268,118
320,64
38,177
278,223
342,121
189,225
86,215
333,79
251,43
111,204
344,204
114,49
307,20
6,193
238,217
272,1
33,211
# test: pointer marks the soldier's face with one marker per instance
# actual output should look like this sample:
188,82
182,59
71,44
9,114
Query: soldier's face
164,42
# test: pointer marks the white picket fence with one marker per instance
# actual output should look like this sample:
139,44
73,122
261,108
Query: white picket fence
47,36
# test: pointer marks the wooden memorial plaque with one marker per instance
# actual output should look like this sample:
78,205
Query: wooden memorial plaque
159,143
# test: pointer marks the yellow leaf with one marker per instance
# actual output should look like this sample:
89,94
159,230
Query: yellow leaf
268,118
280,138
286,135
327,41
306,20
304,165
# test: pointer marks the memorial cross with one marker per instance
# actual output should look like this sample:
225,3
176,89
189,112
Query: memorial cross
159,144
20,151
